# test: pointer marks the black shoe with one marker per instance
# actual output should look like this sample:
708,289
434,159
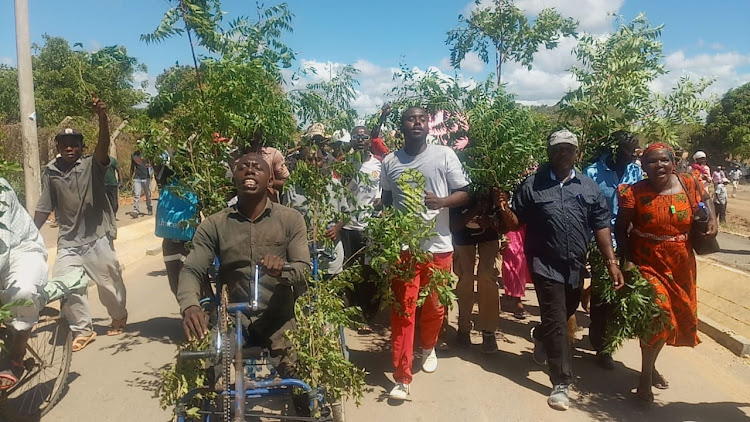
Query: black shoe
463,339
150,212
605,361
489,343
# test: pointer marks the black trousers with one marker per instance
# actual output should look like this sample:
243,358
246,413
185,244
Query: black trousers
600,313
557,302
364,294
113,197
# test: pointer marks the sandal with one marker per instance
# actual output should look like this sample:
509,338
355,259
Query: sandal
12,374
118,327
82,341
659,381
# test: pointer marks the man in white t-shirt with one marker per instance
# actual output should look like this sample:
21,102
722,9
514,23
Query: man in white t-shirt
366,194
446,187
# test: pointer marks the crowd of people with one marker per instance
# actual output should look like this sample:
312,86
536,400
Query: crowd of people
632,214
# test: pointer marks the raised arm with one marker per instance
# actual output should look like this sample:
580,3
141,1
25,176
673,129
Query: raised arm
384,112
101,152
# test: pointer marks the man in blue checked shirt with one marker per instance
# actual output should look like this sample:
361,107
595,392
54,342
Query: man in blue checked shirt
610,171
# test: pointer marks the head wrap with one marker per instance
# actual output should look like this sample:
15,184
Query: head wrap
657,146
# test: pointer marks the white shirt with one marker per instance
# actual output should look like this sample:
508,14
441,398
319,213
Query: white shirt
366,189
18,234
443,173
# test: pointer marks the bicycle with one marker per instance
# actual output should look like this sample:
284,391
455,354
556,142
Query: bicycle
48,357
226,350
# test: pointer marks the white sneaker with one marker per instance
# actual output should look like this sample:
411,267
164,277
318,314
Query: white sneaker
429,360
399,392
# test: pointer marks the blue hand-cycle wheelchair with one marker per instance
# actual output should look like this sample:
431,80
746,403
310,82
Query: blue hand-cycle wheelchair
228,400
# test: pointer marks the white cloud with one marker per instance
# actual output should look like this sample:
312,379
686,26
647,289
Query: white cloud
8,61
472,63
717,46
375,82
140,77
728,69
594,16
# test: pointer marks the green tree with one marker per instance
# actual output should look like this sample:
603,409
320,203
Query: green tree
507,29
328,102
9,107
727,130
234,91
66,78
614,89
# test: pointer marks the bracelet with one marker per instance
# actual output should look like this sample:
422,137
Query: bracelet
613,262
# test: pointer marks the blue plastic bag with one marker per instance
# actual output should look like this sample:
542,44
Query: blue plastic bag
174,212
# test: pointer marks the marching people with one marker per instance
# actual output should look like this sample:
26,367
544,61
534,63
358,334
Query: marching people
720,200
653,233
366,197
700,169
560,207
140,174
446,187
23,275
474,234
73,187
609,172
735,174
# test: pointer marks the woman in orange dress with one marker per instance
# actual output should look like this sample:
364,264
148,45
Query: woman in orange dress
659,245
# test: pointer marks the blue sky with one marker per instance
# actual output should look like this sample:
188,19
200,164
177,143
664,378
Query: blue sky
700,38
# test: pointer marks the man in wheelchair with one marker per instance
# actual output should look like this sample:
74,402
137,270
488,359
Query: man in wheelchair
23,275
255,230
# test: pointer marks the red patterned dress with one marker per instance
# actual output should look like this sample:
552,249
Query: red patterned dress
660,247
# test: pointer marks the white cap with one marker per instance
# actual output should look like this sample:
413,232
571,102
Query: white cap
563,136
699,155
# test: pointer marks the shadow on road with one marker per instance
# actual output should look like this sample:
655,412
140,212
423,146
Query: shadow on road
734,251
160,329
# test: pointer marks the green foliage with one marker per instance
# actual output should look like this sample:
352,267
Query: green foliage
615,94
65,79
506,140
436,93
506,29
400,232
178,379
317,341
727,130
6,309
328,102
238,96
9,107
635,313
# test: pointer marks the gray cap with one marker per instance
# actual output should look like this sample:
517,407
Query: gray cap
563,136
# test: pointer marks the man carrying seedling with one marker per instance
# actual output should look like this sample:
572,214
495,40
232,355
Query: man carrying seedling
446,187
74,188
609,172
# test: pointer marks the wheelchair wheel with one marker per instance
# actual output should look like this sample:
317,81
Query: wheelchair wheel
47,362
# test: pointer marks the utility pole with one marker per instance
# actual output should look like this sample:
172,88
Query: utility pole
31,174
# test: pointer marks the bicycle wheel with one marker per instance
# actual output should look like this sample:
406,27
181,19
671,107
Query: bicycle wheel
47,363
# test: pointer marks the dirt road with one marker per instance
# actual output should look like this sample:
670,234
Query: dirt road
114,378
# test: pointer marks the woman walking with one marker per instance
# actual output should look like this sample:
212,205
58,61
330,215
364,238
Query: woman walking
661,214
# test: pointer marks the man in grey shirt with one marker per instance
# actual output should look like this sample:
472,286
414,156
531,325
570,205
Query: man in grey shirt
73,187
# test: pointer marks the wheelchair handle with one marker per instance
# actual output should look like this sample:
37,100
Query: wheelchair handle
191,355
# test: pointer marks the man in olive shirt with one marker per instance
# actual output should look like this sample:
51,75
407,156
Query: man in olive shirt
73,187
254,231
112,182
